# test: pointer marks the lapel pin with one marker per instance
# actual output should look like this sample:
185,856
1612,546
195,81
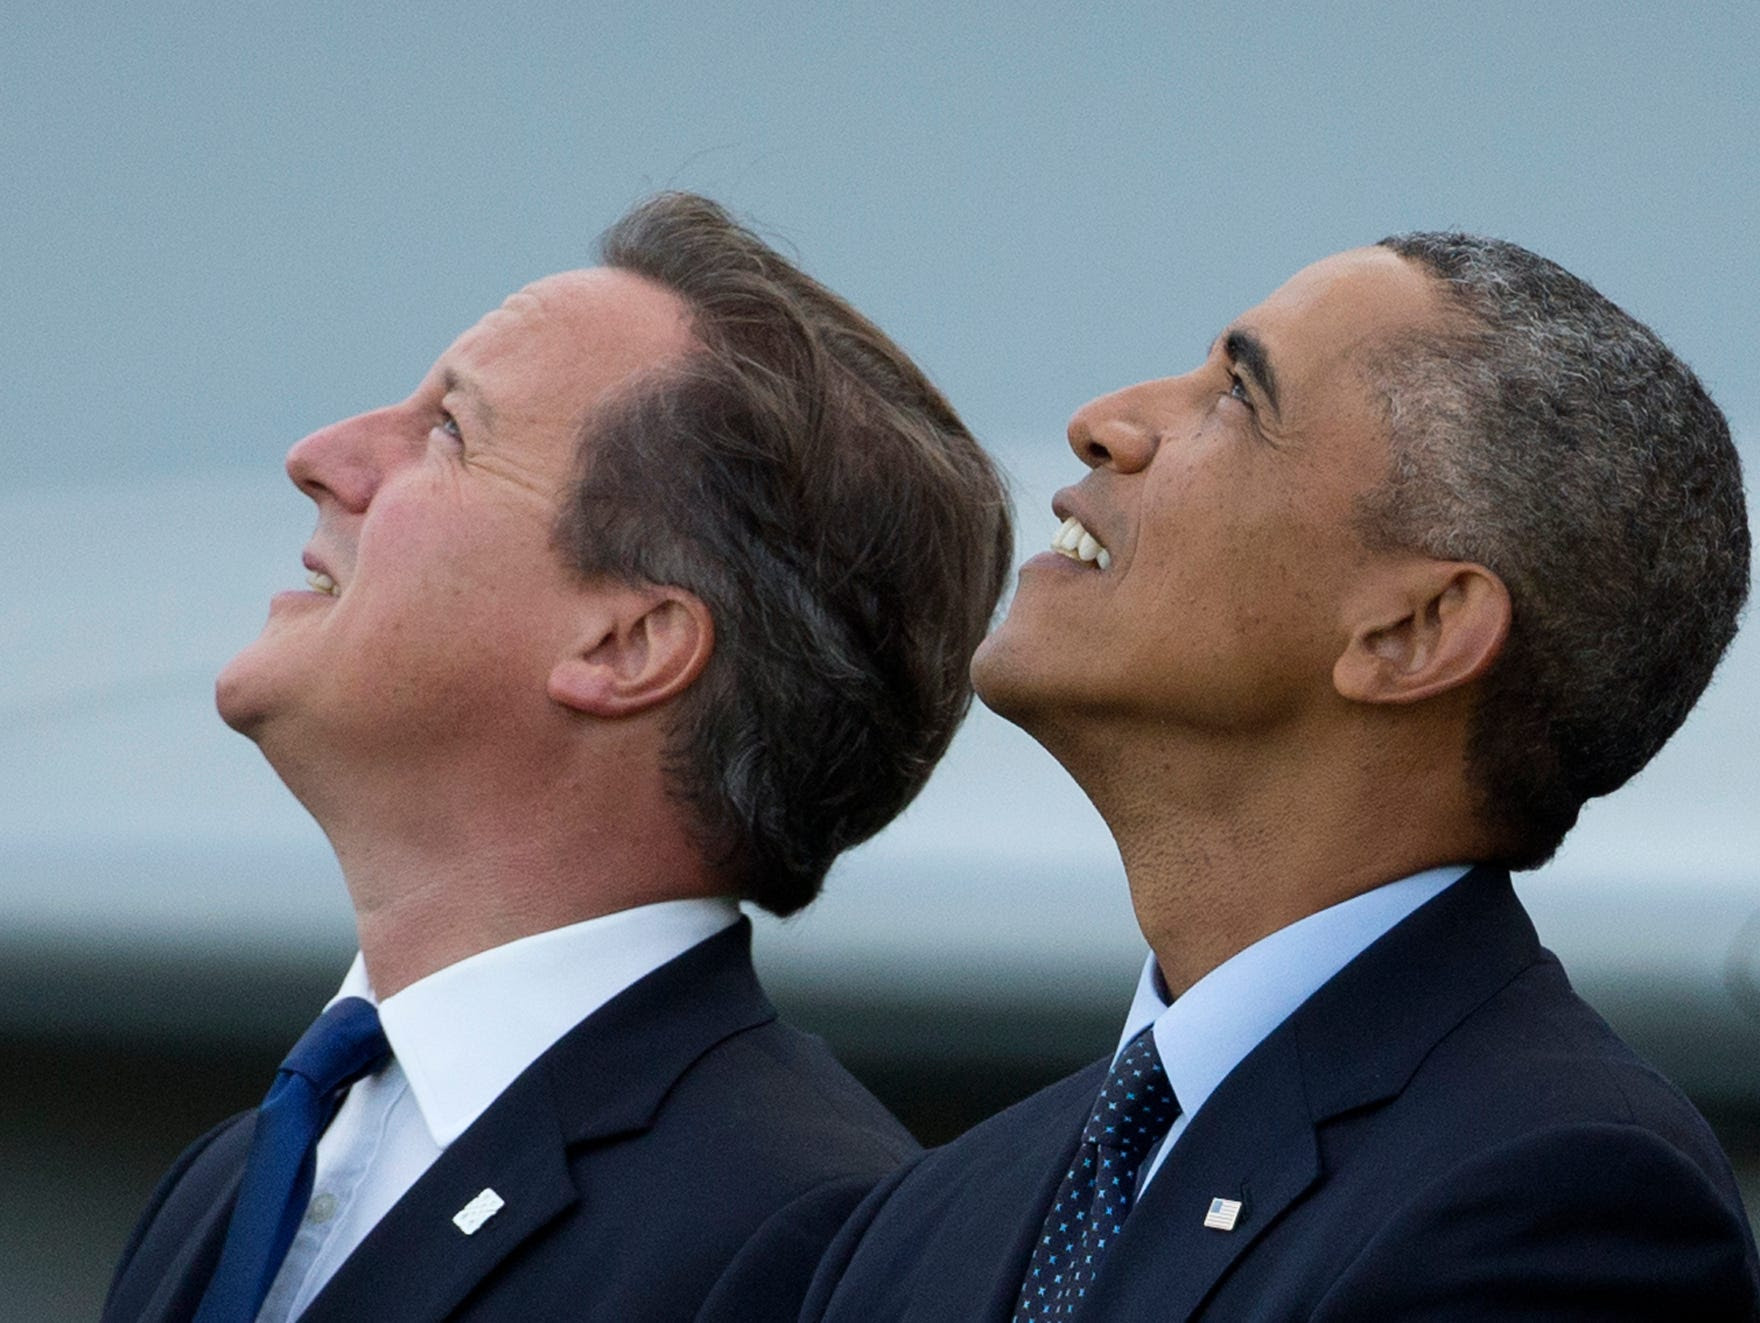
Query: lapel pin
480,1210
1221,1217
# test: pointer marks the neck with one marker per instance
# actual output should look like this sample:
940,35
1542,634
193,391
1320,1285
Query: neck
441,868
1225,842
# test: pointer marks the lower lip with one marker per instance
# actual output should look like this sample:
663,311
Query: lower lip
292,595
1057,562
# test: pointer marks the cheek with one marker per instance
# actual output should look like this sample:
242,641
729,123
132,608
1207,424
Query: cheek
1221,568
483,580
425,542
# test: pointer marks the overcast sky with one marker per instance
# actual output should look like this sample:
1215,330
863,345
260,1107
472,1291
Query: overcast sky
226,224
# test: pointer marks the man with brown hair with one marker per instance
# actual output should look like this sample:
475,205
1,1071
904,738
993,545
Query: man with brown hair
656,595
1434,545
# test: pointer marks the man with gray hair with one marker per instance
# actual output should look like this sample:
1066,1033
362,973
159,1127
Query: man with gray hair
1436,544
656,595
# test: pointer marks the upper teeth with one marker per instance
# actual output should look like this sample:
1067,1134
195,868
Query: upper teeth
1078,543
321,582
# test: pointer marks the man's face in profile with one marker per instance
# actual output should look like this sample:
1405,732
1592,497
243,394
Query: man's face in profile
436,600
1224,502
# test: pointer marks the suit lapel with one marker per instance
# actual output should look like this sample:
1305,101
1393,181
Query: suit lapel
418,1263
1263,1155
601,1082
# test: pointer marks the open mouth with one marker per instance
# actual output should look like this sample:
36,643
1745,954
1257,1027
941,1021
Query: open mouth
1076,542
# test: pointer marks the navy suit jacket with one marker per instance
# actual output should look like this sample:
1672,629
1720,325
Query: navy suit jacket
1443,1131
679,1154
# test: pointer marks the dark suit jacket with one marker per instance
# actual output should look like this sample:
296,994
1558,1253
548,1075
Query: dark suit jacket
1443,1131
679,1154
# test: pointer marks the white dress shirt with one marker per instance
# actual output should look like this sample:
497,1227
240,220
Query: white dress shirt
459,1037
1210,1028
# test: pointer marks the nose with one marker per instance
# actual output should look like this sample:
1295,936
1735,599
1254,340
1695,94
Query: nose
1114,432
346,461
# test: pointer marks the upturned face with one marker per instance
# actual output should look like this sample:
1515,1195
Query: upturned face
1202,571
435,602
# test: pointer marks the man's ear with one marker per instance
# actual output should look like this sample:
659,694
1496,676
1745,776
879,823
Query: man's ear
639,646
1430,627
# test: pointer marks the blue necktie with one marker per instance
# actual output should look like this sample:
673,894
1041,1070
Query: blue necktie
1135,1107
344,1044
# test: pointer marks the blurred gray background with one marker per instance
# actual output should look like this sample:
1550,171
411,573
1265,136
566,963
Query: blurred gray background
223,226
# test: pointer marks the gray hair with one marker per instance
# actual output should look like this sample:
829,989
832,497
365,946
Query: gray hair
801,476
1553,438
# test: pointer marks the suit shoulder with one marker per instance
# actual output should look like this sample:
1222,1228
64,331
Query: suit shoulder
1538,1059
1612,1218
773,1086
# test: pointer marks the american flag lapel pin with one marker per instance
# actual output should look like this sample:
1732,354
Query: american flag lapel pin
478,1211
1223,1214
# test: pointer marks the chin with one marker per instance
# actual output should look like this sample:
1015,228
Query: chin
242,691
1004,678
1044,688
235,707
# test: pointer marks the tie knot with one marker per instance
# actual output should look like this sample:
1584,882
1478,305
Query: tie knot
344,1043
1136,1103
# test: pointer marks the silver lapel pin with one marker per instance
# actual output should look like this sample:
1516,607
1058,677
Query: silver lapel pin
478,1211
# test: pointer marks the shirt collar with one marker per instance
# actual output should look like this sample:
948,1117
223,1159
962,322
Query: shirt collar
465,1032
1214,1024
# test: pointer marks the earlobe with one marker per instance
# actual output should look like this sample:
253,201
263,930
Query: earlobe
639,647
1435,631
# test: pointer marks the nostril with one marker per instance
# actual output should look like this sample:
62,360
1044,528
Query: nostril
305,474
1087,446
299,469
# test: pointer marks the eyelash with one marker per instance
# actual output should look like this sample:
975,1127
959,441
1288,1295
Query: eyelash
1238,390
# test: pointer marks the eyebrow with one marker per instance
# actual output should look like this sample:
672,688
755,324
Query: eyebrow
453,381
1247,352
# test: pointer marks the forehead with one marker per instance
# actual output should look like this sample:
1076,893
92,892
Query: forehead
1335,311
573,334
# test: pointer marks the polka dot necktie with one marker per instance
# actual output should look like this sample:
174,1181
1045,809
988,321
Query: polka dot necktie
1133,1111
342,1045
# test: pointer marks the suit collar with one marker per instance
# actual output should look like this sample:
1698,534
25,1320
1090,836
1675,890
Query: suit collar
1212,1026
1362,1035
467,1031
604,1079
611,1074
